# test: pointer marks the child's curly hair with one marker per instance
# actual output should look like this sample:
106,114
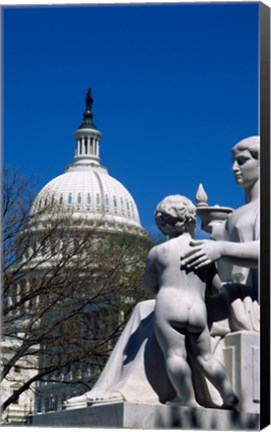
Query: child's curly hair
175,214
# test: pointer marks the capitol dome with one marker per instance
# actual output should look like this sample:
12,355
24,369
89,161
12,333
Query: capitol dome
87,189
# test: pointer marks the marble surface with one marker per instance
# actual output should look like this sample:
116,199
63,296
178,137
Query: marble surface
146,416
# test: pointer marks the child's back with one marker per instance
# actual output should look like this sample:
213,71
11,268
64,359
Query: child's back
181,295
169,267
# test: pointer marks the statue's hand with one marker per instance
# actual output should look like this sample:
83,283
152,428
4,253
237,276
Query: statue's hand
203,252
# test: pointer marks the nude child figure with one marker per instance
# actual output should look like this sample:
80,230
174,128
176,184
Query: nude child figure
180,316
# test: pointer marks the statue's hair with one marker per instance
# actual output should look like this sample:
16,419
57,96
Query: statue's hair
252,144
175,214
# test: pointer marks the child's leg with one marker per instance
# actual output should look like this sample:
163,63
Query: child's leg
172,344
200,346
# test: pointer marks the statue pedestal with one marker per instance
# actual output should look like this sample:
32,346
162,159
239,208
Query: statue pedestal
140,416
242,362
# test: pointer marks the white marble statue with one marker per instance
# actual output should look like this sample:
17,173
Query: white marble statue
136,370
235,247
180,316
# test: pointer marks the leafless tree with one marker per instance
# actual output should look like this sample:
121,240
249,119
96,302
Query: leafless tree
68,288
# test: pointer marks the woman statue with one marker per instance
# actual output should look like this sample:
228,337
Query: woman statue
236,248
136,370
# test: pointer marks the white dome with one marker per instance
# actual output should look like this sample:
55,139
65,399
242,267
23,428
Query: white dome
86,187
92,194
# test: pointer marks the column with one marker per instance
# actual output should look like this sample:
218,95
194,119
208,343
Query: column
88,145
81,146
98,148
95,147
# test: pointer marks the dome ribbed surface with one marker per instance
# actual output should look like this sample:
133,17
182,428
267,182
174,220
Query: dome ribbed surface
91,193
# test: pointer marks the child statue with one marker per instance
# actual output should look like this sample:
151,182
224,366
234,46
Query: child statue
180,316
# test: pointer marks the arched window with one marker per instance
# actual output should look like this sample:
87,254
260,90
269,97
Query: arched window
121,204
79,198
128,208
88,199
70,198
63,399
46,403
39,404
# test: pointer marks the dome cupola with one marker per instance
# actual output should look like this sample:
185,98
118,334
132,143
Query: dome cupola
87,137
86,187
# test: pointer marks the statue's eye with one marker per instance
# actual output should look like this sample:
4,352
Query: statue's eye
241,161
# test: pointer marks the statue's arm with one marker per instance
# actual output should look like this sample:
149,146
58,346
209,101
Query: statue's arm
150,278
204,252
216,285
243,254
213,282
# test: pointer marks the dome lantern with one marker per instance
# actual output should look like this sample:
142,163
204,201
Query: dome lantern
87,136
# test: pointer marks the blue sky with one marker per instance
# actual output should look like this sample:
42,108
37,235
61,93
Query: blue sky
175,86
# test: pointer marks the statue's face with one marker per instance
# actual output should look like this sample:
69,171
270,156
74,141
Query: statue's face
245,168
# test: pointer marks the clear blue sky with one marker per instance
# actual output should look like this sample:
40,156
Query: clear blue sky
175,87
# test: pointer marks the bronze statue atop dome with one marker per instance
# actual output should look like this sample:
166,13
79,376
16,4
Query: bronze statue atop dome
89,100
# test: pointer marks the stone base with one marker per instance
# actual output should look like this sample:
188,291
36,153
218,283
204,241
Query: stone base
242,362
132,415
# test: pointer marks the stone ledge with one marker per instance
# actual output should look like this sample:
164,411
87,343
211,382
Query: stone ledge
141,416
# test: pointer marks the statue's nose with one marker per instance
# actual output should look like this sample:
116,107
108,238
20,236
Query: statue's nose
235,166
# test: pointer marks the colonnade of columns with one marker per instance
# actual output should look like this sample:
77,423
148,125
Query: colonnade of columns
87,146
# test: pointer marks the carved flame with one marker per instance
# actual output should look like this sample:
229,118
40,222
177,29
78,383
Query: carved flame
201,197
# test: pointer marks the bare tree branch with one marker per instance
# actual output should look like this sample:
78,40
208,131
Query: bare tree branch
66,286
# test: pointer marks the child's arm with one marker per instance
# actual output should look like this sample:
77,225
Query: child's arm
213,281
150,278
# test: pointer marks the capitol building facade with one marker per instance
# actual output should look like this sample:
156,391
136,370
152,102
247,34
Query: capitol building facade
91,201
